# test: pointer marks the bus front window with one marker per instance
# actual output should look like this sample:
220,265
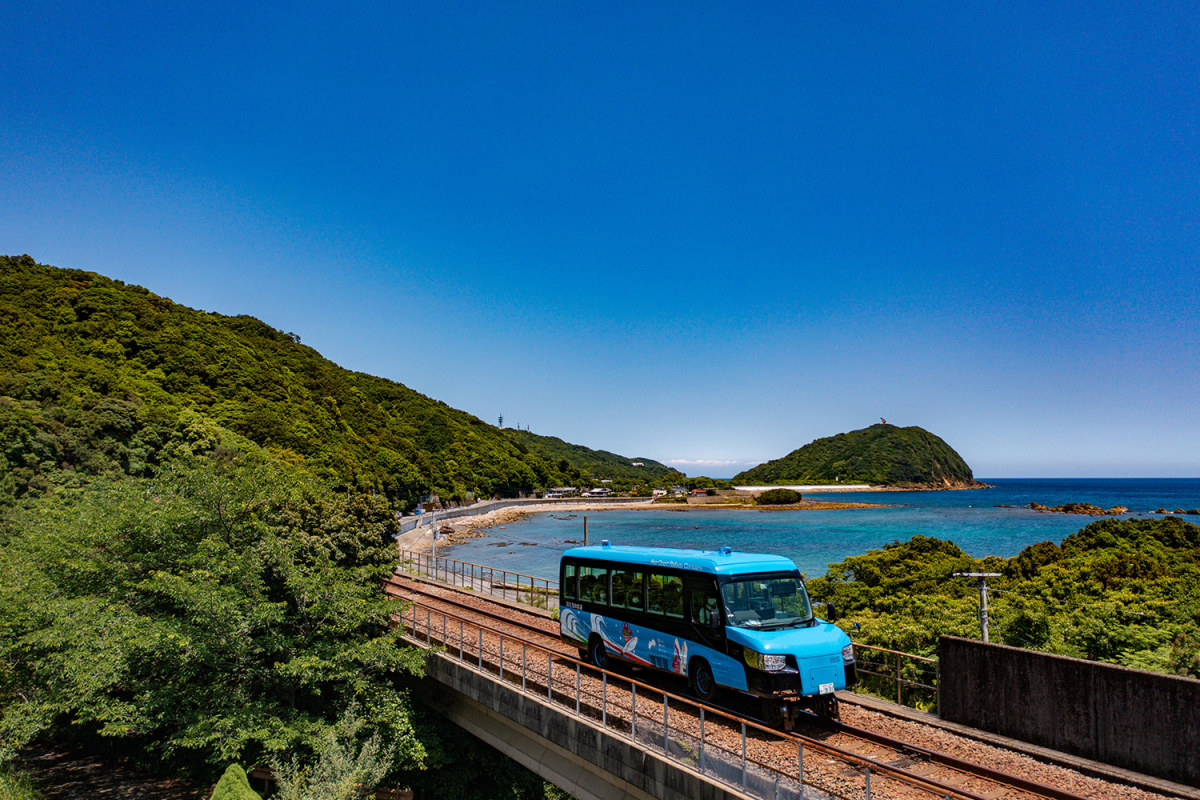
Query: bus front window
772,601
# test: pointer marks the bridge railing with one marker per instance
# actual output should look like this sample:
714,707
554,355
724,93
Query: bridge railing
757,761
905,678
893,674
515,587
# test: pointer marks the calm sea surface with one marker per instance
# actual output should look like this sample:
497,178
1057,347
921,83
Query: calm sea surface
971,519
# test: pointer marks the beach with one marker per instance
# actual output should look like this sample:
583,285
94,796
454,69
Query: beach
462,529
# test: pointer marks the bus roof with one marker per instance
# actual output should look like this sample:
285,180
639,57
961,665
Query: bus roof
719,562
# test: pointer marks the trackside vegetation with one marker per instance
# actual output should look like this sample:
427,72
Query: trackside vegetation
1124,591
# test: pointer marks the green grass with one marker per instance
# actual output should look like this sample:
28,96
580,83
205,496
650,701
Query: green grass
15,786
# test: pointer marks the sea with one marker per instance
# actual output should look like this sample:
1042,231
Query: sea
995,521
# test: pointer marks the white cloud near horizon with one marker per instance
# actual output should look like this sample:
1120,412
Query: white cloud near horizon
710,462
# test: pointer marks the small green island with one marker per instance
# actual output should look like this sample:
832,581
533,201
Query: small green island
881,455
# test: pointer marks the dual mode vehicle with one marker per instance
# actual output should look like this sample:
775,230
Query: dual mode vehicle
725,620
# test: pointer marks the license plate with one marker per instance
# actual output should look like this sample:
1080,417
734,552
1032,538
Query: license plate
825,688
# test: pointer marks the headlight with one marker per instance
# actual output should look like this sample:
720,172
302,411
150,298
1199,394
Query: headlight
848,653
765,662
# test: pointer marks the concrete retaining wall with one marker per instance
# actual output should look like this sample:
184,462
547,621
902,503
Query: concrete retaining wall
1142,721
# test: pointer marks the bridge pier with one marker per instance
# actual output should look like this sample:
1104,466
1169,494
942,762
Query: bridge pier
570,751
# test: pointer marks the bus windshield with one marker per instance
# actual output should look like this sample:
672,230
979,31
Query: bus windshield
770,601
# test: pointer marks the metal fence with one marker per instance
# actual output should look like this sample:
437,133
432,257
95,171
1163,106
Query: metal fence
892,674
515,587
680,729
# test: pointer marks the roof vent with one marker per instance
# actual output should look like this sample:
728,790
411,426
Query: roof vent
605,543
725,551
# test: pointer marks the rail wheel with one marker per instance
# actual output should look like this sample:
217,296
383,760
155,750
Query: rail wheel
701,679
597,654
779,714
827,706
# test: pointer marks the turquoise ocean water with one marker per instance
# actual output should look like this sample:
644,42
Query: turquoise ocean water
814,539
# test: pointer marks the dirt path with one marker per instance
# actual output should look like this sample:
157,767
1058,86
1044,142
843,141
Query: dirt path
63,774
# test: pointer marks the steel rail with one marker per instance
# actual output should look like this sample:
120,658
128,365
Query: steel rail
946,760
912,778
412,587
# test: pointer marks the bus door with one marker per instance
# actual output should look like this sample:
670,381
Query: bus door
704,611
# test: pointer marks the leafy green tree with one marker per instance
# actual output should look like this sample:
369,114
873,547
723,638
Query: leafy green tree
217,613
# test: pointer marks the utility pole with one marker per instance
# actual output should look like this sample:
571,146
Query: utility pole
983,615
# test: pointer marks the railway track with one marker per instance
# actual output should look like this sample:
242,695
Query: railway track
925,770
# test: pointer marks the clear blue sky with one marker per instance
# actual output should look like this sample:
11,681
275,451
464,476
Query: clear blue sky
701,233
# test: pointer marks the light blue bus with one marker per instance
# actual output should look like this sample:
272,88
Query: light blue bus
722,619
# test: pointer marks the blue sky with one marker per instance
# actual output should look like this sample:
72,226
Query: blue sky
696,232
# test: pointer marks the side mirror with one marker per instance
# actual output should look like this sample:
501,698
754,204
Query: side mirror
831,611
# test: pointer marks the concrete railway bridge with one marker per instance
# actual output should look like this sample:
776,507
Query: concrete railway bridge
604,734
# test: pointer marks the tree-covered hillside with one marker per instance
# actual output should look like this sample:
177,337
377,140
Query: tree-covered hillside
881,454
598,464
173,592
97,377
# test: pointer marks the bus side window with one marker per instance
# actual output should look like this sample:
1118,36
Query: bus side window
655,593
570,584
620,580
704,605
598,585
633,590
673,596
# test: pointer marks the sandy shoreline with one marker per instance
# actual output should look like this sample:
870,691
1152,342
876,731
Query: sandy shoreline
459,530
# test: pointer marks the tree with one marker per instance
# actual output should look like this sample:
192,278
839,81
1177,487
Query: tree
217,613
234,785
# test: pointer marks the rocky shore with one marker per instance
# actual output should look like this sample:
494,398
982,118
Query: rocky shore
1080,508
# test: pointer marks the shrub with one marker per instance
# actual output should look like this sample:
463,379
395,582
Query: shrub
778,497
234,786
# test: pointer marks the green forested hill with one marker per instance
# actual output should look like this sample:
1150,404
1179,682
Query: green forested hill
880,454
195,514
97,377
598,463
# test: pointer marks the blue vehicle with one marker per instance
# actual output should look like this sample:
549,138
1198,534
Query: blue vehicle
724,620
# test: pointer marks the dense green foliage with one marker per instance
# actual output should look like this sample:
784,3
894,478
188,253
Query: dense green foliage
587,465
216,613
881,454
101,378
778,497
1121,591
